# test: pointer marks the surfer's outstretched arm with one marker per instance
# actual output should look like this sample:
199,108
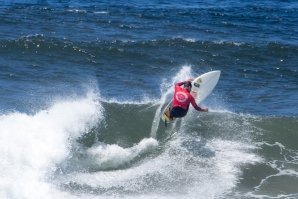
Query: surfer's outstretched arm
194,104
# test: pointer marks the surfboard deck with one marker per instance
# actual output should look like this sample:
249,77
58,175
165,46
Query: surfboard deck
202,85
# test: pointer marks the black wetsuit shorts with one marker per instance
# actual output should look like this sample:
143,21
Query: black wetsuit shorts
178,112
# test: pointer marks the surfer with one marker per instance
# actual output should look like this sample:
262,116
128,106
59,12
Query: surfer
182,98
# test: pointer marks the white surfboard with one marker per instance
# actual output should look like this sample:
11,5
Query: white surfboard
202,85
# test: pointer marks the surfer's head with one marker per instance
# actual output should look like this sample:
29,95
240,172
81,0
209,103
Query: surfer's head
187,85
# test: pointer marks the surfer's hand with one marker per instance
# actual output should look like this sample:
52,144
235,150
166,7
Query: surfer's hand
205,109
193,93
189,80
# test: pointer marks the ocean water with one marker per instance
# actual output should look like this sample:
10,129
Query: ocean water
83,84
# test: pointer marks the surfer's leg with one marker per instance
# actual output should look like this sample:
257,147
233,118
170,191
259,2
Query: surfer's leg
178,112
168,113
184,111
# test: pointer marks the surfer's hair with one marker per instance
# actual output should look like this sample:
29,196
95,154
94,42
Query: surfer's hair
187,84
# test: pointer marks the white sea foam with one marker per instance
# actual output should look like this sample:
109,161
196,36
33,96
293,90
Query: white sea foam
32,145
101,12
145,100
204,170
190,40
78,11
112,156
